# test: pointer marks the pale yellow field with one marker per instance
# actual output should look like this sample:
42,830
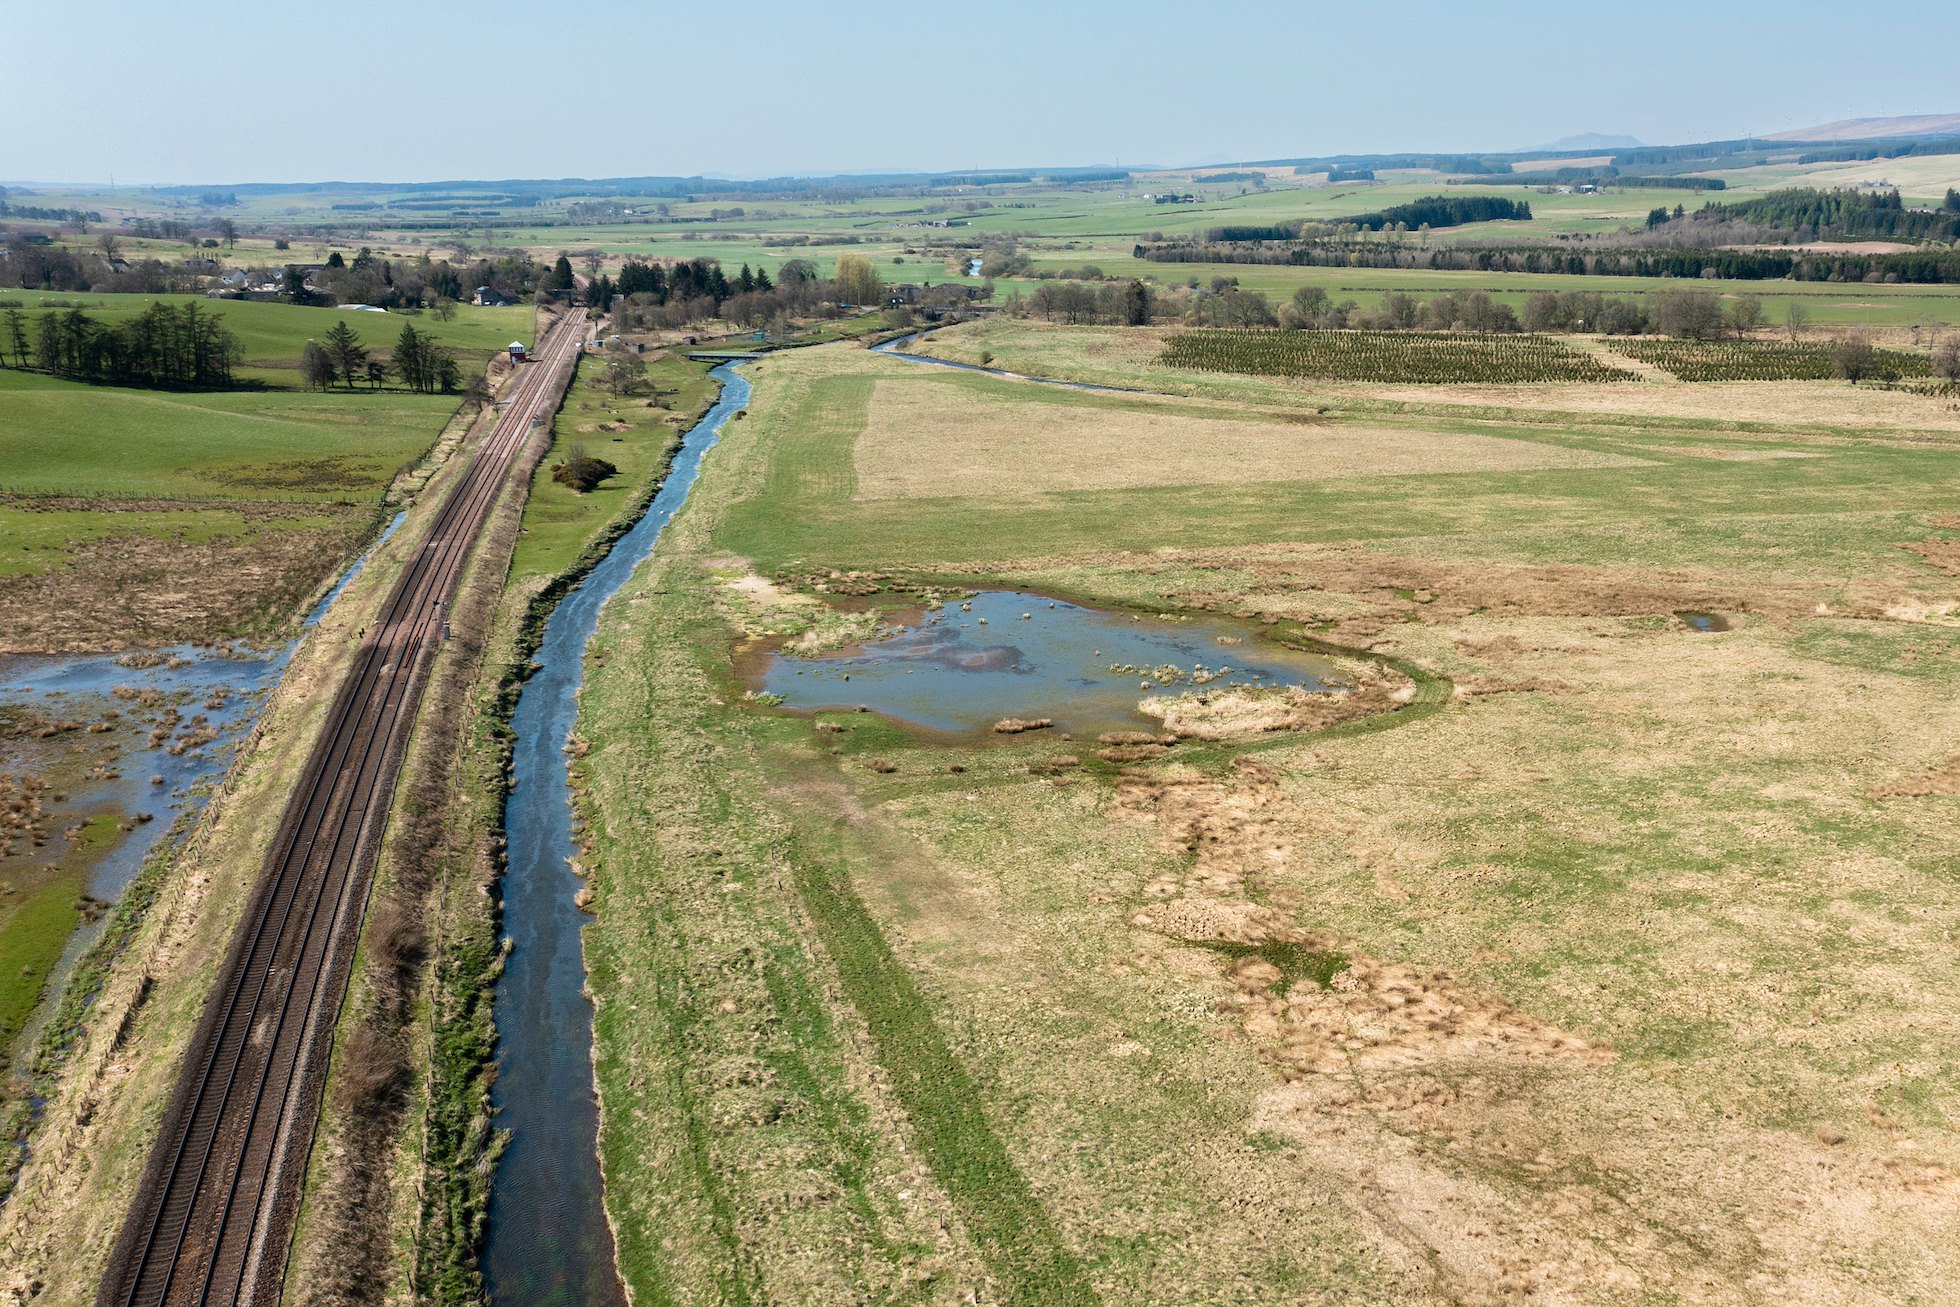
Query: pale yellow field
916,445
1926,176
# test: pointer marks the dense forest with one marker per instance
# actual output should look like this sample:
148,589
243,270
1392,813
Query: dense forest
693,279
1889,150
1607,177
1279,231
1444,211
1815,214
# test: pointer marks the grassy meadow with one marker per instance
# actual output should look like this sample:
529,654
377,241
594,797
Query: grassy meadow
150,517
635,433
272,335
1608,970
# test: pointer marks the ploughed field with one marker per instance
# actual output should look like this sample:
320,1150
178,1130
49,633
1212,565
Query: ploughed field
1588,941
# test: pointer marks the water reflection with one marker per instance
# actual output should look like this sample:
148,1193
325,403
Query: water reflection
1009,654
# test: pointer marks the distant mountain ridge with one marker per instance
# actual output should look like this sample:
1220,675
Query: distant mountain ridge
1591,141
1874,129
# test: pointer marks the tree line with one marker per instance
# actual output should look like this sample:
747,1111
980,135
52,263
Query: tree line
1921,267
1118,303
366,278
686,280
1686,314
35,213
653,295
420,363
409,283
163,347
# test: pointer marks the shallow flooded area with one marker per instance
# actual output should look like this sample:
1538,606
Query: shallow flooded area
963,667
99,754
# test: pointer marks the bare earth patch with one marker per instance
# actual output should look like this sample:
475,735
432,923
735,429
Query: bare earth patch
1241,712
916,445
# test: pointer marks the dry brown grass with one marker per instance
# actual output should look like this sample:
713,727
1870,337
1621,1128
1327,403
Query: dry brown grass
1506,1157
1796,404
1371,1016
1359,593
1632,993
1940,780
1732,453
118,591
915,444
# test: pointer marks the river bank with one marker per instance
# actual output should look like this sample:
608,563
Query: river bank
547,1235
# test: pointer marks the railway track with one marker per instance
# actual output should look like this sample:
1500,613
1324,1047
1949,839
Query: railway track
213,1216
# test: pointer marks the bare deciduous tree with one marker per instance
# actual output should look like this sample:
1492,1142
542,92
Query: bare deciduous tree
1853,358
1946,358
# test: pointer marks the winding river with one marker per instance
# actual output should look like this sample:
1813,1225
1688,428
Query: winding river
548,1241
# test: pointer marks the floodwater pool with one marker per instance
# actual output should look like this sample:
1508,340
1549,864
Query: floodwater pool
1007,653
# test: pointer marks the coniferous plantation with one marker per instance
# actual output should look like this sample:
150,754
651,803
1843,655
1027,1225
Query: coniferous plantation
163,347
1838,214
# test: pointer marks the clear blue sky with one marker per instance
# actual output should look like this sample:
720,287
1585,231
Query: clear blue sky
227,91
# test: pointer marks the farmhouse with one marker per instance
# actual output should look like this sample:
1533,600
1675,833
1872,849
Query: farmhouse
491,297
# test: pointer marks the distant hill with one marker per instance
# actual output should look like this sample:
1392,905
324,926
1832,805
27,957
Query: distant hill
1874,129
1591,141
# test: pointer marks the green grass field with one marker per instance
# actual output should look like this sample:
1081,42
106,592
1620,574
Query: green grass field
636,433
33,931
69,438
159,516
272,334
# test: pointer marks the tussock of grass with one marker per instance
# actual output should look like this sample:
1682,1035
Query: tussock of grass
1295,963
